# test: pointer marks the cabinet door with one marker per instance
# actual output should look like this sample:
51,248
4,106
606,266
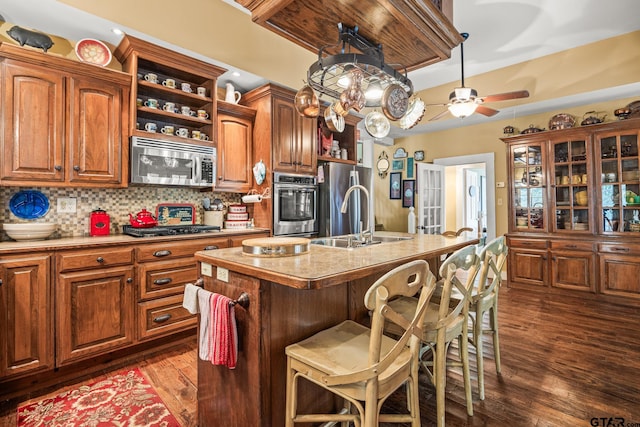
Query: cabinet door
528,187
94,313
26,312
619,269
33,106
95,131
285,138
235,139
573,270
528,267
306,147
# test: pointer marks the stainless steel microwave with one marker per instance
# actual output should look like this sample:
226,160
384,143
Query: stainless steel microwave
158,162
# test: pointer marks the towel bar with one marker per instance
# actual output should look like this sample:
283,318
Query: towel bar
242,301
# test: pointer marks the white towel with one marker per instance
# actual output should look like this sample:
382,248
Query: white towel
204,298
190,299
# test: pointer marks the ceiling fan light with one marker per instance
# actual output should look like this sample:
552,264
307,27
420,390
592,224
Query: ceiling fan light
463,94
462,109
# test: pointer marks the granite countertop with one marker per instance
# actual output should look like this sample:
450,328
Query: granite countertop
324,266
11,247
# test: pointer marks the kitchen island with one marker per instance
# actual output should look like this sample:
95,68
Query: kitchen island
290,299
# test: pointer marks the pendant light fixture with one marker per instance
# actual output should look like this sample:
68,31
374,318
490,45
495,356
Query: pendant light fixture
357,77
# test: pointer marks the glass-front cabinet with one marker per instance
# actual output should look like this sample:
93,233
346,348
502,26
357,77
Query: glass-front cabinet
571,193
528,187
619,182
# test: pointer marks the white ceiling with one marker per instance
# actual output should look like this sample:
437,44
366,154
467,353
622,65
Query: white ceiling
502,33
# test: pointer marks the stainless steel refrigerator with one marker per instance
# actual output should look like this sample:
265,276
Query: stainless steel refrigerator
338,177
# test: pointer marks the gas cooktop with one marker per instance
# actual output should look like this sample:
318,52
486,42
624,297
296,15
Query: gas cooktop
168,230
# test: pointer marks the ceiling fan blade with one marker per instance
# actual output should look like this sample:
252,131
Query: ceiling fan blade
442,114
486,111
507,95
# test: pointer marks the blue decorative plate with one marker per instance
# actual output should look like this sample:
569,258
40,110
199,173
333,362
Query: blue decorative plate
29,204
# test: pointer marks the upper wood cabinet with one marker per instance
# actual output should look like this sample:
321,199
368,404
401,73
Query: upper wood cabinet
63,121
294,138
235,146
158,97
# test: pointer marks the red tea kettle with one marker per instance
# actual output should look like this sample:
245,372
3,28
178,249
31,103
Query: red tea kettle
143,219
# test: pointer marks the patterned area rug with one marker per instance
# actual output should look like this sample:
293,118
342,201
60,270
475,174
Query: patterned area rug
125,399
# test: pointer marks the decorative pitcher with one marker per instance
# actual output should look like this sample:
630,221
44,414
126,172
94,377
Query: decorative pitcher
232,95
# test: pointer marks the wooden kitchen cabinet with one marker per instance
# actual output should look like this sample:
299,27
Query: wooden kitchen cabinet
26,315
140,58
574,222
63,121
94,303
163,271
294,138
235,147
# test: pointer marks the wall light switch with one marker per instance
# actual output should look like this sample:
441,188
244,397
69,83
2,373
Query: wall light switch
222,274
206,269
500,184
67,205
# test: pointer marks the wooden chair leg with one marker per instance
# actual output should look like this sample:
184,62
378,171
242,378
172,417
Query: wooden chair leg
496,340
290,403
440,371
477,342
464,357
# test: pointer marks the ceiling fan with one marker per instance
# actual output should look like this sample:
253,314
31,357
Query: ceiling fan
464,101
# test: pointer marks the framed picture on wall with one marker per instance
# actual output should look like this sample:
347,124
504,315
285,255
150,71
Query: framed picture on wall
397,165
408,192
395,190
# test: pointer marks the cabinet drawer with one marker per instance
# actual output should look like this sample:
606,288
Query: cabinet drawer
527,243
171,250
163,316
164,278
572,246
619,248
99,258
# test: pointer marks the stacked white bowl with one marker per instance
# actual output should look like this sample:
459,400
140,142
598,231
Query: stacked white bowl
29,231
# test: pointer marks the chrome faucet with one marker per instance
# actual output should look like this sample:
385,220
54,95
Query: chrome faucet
365,235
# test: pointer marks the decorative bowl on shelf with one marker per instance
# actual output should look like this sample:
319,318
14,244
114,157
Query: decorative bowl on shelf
29,231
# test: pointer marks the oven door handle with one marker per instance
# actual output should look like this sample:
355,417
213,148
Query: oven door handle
295,187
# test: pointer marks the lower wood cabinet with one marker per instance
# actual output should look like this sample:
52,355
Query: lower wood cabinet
620,269
94,312
530,257
573,265
26,314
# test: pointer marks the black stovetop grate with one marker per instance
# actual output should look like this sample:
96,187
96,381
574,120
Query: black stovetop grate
168,230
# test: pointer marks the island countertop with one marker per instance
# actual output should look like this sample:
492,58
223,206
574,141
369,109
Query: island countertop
289,299
326,266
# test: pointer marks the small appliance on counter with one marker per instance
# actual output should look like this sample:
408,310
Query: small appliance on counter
99,223
167,230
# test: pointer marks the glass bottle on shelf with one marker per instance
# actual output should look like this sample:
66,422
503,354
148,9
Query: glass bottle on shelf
571,189
620,183
528,188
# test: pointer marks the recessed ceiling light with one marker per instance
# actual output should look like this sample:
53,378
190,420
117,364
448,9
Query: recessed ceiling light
117,31
235,74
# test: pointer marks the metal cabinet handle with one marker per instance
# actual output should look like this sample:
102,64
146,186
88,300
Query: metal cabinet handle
129,280
212,247
619,249
571,246
76,168
0,282
162,318
162,253
58,168
164,281
100,260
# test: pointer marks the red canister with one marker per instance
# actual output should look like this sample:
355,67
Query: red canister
99,223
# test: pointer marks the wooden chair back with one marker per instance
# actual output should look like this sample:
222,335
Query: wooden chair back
493,257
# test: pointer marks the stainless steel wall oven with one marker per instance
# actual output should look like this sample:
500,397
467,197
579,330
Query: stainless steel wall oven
295,199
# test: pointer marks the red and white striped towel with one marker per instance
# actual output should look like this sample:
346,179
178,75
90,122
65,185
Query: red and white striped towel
223,341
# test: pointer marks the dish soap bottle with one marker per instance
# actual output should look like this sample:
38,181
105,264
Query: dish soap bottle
411,221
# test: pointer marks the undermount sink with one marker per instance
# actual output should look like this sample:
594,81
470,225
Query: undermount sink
343,241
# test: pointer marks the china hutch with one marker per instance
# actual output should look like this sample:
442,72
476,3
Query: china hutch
574,218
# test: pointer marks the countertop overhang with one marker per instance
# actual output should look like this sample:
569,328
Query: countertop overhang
327,266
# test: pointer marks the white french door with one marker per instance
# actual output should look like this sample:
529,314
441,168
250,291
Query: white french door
430,200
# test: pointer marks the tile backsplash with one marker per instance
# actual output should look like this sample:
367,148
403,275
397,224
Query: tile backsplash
117,202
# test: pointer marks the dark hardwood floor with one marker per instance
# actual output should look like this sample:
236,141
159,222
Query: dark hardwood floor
565,361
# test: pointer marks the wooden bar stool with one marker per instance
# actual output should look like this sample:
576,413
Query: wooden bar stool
361,365
446,320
